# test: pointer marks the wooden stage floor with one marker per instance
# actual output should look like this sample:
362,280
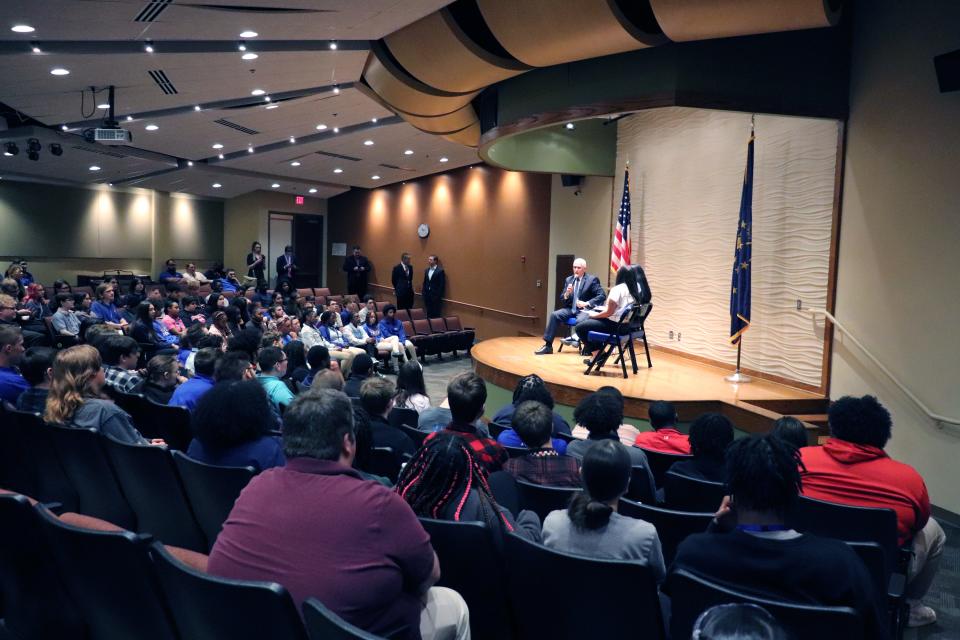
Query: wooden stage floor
502,361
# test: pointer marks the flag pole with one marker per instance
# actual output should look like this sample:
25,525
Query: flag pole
738,377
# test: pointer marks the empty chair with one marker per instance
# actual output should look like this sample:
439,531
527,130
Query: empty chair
542,499
85,463
403,315
211,491
304,291
673,527
640,489
110,576
414,434
445,341
691,595
478,576
323,624
321,291
384,462
418,314
690,494
172,424
618,599
661,462
503,487
381,304
399,416
30,462
152,487
423,343
206,606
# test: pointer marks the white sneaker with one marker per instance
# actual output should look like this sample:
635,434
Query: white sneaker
921,615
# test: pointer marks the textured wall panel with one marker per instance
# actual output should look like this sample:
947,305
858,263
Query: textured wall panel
686,173
685,20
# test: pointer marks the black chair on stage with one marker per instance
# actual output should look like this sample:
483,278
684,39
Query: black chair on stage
323,624
684,493
478,576
542,499
111,578
540,581
152,487
211,491
691,595
207,606
629,328
673,527
661,462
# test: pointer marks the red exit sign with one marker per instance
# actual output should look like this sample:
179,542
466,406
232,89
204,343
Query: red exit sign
299,200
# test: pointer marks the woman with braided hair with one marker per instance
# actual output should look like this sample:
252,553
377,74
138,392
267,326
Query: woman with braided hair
445,481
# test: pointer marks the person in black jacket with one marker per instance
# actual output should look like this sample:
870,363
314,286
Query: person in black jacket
402,280
357,267
255,263
375,396
286,266
434,286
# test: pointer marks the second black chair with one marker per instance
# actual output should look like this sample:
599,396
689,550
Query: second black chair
690,494
673,527
542,499
323,624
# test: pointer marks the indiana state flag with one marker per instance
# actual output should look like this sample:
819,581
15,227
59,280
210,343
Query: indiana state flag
740,291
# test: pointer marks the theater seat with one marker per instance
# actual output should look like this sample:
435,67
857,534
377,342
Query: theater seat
321,291
323,624
465,335
418,314
305,291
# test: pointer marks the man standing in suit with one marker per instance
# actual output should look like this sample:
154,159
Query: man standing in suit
580,291
434,284
286,267
357,267
402,279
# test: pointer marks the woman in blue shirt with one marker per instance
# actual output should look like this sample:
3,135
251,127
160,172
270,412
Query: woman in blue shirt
147,329
391,327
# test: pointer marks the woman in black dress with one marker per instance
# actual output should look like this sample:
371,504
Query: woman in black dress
255,262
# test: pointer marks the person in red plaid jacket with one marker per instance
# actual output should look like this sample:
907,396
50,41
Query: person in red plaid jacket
467,394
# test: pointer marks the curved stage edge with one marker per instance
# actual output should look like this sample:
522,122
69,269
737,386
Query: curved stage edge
694,387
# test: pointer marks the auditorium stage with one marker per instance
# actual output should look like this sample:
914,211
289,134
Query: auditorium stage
693,386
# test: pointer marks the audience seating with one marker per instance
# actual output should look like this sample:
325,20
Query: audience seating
478,576
418,314
445,340
465,335
542,499
516,452
403,315
305,291
690,494
661,462
381,305
629,328
30,464
399,416
323,624
384,461
673,527
503,486
330,298
211,490
639,488
58,340
415,434
153,420
321,291
562,596
152,487
496,428
207,606
109,574
421,340
691,595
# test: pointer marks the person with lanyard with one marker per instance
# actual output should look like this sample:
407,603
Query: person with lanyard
105,308
255,263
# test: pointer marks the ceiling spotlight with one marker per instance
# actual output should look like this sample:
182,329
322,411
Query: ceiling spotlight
33,149
321,127
368,143
151,127
242,47
249,149
217,145
408,152
249,34
336,129
220,156
22,28
444,159
272,106
35,49
94,168
373,120
196,107
64,127
333,46
266,98
257,92
292,140
189,163
216,185
313,190
60,71
295,164
129,118
249,56
275,185
103,106
109,184
374,177
148,47
336,90
11,149
570,126
338,170
56,149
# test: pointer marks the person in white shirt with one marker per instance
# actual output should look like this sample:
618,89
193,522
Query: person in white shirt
192,275
621,298
309,329
411,389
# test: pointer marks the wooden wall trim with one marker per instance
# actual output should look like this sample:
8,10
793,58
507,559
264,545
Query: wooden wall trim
834,259
464,304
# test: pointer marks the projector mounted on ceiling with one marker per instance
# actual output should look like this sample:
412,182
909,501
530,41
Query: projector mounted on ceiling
110,133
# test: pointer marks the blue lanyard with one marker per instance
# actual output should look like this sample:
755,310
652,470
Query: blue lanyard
762,527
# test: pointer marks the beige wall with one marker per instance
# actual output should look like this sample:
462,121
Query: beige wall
246,218
898,284
580,225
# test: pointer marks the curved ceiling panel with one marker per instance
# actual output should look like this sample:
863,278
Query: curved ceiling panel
469,137
405,93
438,52
542,33
704,19
450,123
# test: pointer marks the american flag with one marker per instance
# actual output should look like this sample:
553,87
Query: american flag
620,253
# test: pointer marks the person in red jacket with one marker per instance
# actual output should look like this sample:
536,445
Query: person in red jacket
852,468
664,438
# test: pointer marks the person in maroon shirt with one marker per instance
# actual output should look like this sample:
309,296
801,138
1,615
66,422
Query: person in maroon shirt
533,422
467,394
664,438
319,529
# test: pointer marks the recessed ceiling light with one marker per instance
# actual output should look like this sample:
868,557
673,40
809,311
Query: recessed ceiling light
242,47
313,190
336,129
295,163
338,170
333,46
151,127
94,168
368,143
189,163
109,184
373,120
218,146
408,152
249,56
103,106
336,90
570,126
292,140
60,71
249,149
216,185
272,106
129,118
275,185
374,177
257,92
266,98
22,28
321,127
196,107
148,48
220,156
64,127
249,34
35,49
444,159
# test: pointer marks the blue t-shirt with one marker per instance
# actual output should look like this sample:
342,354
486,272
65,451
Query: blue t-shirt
12,384
509,438
189,393
395,328
263,453
226,285
107,313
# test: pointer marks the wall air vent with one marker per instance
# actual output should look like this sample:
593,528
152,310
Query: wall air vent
337,156
163,81
229,8
153,10
100,151
237,127
393,166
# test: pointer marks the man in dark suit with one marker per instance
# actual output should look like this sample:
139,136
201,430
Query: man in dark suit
286,267
402,279
434,285
580,291
357,267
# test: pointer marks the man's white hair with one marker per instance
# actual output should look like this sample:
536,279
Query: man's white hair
580,262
